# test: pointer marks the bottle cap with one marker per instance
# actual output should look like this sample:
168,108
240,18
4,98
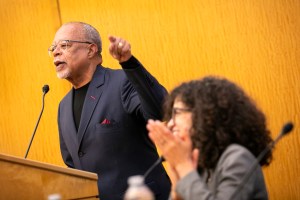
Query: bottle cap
54,197
136,180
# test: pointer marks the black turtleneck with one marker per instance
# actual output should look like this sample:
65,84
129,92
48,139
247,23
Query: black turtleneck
78,100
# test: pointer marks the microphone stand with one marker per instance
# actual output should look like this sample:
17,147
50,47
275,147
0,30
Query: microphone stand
45,90
157,162
286,129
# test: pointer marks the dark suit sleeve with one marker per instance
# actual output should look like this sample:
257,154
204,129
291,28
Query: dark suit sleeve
142,93
63,148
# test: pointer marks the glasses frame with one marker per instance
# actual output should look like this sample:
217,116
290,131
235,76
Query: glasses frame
176,111
52,48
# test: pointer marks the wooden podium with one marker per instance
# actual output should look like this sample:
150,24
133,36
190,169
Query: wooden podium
27,179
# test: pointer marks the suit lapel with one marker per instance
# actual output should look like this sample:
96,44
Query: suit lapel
69,134
91,100
70,125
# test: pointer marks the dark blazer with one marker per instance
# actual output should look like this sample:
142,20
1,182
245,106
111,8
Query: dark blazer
112,139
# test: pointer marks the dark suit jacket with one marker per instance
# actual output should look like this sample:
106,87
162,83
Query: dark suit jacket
125,100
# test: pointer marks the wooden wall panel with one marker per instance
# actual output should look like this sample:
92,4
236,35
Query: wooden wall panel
254,43
27,31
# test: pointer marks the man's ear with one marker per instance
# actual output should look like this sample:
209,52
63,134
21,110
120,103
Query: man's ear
92,50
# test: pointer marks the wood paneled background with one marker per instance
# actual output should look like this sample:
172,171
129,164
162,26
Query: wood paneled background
254,43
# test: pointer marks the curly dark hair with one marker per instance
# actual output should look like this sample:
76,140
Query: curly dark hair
222,114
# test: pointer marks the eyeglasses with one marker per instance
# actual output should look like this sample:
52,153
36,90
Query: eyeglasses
178,111
64,45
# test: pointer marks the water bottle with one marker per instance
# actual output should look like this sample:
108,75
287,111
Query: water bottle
54,197
137,190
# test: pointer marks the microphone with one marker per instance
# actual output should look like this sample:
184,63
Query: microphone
45,90
288,127
157,162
